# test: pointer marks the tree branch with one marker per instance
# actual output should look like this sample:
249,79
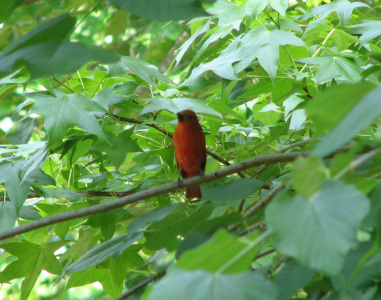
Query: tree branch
155,191
261,203
161,129
140,285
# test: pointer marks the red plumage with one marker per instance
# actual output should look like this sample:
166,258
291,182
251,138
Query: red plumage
190,149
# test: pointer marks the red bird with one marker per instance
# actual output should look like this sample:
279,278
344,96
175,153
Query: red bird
190,150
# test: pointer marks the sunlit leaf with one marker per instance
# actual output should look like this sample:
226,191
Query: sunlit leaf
112,247
178,104
318,232
65,111
163,10
180,284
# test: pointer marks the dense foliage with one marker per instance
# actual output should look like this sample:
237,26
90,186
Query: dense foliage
288,94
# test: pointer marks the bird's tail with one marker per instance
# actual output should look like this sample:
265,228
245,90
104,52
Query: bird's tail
193,191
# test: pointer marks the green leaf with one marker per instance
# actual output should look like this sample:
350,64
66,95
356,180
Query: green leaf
320,231
144,70
222,194
17,190
295,116
257,43
119,266
45,51
66,111
363,113
229,13
153,216
236,257
166,232
53,30
28,213
17,182
180,284
178,104
105,98
183,48
373,218
343,9
334,67
8,216
360,267
261,87
81,246
87,276
117,147
112,247
62,194
51,58
32,258
6,8
291,278
330,106
308,175
108,220
162,11
279,5
369,29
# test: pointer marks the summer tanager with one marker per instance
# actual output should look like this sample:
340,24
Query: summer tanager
190,150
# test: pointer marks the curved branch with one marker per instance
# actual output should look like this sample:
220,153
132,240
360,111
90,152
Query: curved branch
155,191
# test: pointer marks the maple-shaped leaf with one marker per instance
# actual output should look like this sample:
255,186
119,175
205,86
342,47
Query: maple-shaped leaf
64,111
279,5
117,147
343,9
105,98
11,177
369,29
18,176
141,68
334,67
258,43
32,259
178,104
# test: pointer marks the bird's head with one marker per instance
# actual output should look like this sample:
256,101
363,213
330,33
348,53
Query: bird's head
187,116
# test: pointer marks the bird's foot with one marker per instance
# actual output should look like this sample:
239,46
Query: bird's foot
180,184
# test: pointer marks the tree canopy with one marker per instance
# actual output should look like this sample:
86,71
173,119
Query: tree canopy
288,96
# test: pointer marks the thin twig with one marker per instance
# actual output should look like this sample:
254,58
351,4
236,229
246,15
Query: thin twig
294,145
162,130
283,150
140,285
259,225
362,159
265,253
261,203
155,191
266,199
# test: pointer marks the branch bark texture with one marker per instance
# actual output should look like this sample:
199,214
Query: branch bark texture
155,191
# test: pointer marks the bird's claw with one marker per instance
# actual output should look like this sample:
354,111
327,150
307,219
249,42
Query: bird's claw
180,184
